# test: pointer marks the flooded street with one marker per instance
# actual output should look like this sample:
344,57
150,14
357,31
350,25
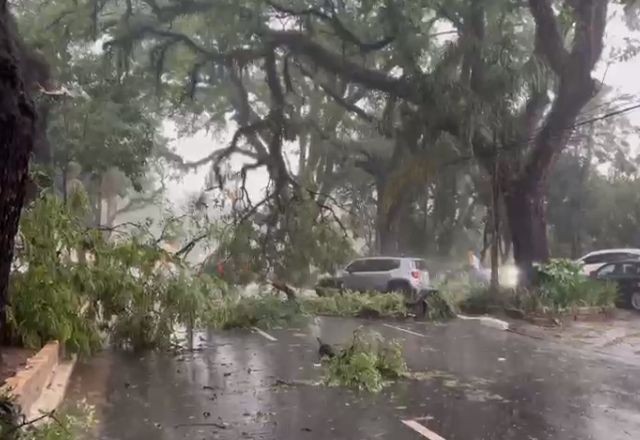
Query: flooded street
474,382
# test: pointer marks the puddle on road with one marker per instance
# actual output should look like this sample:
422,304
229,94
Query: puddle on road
475,389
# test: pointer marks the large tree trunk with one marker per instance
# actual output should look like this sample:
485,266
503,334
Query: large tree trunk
386,240
524,188
17,124
389,216
444,212
527,222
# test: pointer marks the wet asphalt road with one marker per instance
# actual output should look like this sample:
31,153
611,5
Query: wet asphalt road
479,383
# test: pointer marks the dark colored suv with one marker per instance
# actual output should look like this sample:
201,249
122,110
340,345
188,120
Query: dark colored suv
626,274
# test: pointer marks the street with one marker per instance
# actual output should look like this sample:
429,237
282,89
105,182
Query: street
474,382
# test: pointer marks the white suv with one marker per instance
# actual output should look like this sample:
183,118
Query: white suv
386,274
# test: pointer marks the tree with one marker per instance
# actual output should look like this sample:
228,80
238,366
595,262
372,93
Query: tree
591,209
17,137
472,87
103,133
578,189
524,188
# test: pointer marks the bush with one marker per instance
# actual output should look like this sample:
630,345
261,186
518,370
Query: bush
563,286
367,363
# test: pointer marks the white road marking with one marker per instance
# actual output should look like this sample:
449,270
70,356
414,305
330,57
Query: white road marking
264,334
422,430
400,329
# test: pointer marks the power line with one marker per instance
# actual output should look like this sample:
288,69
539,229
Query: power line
528,142
591,111
607,115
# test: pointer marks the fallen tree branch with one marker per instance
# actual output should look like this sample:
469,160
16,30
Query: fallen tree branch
48,415
284,288
184,251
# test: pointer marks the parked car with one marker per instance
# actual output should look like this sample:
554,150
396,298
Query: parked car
626,274
595,260
386,274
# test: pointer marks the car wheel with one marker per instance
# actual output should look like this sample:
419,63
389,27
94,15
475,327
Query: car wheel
635,301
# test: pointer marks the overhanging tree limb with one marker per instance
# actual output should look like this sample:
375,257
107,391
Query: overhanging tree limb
549,41
347,103
239,57
304,47
278,127
575,86
336,24
245,115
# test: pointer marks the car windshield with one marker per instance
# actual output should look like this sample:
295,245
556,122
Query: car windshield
609,269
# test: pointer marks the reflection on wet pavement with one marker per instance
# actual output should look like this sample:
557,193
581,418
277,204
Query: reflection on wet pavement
472,382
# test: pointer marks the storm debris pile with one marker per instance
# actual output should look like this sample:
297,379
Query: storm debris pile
368,362
268,311
361,305
262,311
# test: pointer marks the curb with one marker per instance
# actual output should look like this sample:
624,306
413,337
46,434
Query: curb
40,385
488,321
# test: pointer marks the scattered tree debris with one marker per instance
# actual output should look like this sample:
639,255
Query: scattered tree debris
284,288
267,311
367,363
214,424
325,350
362,305
74,421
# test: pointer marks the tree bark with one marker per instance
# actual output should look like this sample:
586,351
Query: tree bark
526,216
386,243
444,212
17,130
495,232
